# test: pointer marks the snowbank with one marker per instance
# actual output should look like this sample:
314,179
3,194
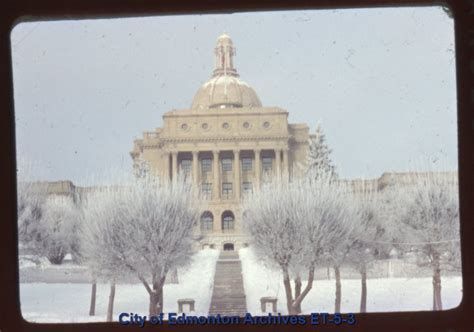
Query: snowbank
62,302
384,294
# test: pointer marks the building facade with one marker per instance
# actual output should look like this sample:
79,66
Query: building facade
228,143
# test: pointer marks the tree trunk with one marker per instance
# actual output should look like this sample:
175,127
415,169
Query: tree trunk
156,302
154,308
110,307
298,293
93,297
437,304
294,304
337,273
288,292
160,299
363,295
156,297
309,286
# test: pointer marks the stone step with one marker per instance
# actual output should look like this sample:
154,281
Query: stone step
228,292
226,281
223,300
227,305
228,295
228,266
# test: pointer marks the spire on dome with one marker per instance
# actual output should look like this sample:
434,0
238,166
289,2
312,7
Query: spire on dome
224,52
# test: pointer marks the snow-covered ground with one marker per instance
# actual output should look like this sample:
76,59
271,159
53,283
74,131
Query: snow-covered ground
68,302
384,294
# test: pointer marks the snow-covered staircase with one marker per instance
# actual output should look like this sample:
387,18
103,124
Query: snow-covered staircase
228,295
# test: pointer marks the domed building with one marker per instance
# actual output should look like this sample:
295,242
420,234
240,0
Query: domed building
228,143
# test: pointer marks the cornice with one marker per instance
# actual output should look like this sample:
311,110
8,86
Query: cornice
223,139
152,145
261,111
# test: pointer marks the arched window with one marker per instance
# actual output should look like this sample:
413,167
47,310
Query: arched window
227,221
207,221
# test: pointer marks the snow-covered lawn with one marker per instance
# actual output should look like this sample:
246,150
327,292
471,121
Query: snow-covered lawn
384,294
46,302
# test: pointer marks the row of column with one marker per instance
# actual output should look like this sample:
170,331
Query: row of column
283,173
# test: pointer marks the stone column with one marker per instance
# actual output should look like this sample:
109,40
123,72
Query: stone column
257,168
278,163
174,169
215,173
195,168
237,174
286,171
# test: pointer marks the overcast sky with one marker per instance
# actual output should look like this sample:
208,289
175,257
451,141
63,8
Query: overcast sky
380,81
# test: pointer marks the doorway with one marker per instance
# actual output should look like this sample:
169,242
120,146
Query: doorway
228,246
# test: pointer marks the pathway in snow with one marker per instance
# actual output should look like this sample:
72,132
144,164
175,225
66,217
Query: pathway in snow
228,295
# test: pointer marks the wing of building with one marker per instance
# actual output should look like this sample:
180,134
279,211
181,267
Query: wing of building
228,143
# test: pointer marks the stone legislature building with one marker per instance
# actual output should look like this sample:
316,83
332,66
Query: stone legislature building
228,143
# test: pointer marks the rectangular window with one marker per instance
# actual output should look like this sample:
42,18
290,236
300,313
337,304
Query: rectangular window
247,187
227,190
206,165
267,164
185,166
226,165
206,190
246,164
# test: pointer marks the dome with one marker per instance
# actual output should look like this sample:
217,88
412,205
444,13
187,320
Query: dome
225,89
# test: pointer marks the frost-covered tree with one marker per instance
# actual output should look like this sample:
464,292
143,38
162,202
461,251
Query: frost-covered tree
428,219
371,236
144,228
30,201
56,228
75,245
319,157
336,255
332,217
276,233
47,224
291,224
99,226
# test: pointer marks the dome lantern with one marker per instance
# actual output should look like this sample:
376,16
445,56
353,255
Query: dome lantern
224,53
